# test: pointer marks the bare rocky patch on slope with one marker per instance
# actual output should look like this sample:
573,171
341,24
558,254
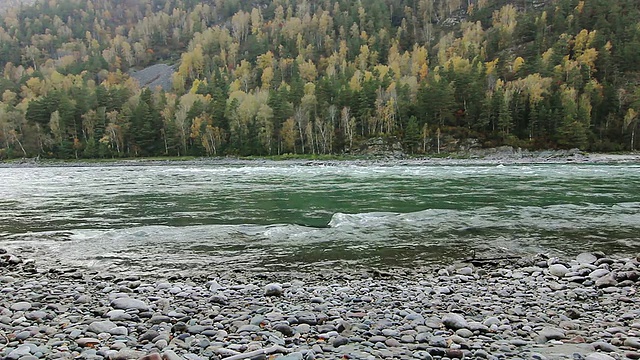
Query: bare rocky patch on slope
155,77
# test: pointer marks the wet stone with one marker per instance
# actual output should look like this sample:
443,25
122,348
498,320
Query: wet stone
586,258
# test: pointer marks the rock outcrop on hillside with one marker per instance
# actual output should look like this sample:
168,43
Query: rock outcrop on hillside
155,77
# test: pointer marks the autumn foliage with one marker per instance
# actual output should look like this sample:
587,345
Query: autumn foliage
274,77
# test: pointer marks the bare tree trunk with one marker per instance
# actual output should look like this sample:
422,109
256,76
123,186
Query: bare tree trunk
117,144
424,138
301,138
166,146
20,144
184,138
301,120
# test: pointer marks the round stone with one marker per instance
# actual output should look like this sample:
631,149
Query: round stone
492,320
551,333
392,343
454,321
339,341
606,281
390,332
23,335
21,306
36,315
598,273
632,342
586,258
285,329
22,350
465,333
438,341
119,330
118,315
558,270
273,289
101,326
129,304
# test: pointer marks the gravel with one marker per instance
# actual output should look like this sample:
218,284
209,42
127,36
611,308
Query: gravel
519,308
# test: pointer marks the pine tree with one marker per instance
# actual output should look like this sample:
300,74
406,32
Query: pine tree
412,136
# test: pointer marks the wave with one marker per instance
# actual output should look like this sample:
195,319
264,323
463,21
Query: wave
429,235
540,217
363,219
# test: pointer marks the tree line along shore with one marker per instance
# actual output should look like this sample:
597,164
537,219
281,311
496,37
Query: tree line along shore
277,77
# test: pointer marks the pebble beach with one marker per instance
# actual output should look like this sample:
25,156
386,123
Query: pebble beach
527,308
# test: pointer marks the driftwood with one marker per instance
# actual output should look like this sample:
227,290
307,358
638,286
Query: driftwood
226,352
6,340
265,351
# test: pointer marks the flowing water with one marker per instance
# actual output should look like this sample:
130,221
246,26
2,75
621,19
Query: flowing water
292,215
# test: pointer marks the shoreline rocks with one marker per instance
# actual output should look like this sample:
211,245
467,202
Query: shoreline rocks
523,308
494,156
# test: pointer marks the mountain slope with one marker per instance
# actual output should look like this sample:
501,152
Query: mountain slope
272,77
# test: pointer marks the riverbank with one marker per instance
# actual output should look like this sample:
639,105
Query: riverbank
503,155
533,308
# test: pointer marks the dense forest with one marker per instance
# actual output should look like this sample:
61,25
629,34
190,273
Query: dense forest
298,76
10,4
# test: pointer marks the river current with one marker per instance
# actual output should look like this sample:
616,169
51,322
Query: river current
270,215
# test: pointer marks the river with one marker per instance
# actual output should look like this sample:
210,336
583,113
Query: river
271,215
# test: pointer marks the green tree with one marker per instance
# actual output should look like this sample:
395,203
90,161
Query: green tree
412,135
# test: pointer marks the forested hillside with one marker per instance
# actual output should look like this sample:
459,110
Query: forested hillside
296,76
13,4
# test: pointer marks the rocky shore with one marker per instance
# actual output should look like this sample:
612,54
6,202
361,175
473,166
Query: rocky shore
534,308
493,156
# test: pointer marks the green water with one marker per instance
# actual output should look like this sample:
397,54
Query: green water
293,215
